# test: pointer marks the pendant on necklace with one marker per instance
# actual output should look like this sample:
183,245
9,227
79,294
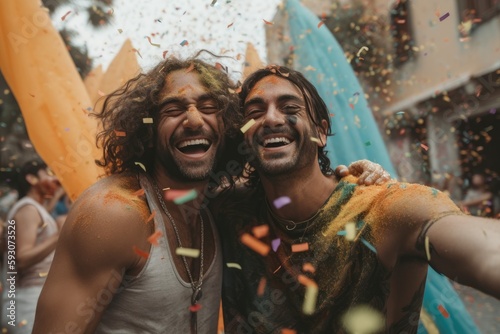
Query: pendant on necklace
194,308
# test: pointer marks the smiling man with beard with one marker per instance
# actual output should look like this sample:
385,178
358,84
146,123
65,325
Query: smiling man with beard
309,247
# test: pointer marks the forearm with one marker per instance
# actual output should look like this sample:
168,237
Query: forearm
29,257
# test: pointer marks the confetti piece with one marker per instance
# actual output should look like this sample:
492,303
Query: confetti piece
248,125
65,15
281,202
147,120
424,147
351,105
190,68
320,24
427,249
23,323
442,18
275,244
44,274
213,3
368,143
153,238
140,252
303,247
308,267
260,231
350,229
140,165
138,193
189,252
230,25
267,22
443,311
195,307
120,133
261,287
137,51
151,216
153,44
288,331
233,265
184,43
256,245
361,50
310,295
164,54
180,196
316,140
369,245
120,31
363,319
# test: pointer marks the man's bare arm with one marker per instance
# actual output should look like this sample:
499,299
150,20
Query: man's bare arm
467,250
95,249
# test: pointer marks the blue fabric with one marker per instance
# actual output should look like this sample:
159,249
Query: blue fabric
321,59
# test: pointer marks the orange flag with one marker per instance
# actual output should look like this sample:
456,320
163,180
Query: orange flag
50,92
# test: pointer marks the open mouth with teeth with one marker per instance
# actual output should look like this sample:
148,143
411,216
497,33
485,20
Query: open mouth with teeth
276,142
194,146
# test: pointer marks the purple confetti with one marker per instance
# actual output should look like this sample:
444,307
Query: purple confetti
281,201
493,111
276,243
442,18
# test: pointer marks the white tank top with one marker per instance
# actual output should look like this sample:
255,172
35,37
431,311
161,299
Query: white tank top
157,300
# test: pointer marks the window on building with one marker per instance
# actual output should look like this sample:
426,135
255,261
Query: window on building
475,12
402,32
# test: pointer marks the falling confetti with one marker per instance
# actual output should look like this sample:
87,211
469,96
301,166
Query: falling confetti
275,244
261,287
361,50
153,238
140,252
153,44
256,245
138,193
147,120
350,229
363,319
247,126
65,15
140,165
427,249
151,217
180,196
120,133
184,43
189,252
442,18
268,23
281,202
308,267
316,140
311,294
443,311
195,307
260,231
303,247
233,265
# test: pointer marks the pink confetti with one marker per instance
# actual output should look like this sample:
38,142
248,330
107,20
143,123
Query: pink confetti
65,15
281,201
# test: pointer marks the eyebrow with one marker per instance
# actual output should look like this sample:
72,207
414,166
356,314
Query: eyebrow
177,99
281,98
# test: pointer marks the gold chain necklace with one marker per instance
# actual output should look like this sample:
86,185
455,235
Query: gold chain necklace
196,286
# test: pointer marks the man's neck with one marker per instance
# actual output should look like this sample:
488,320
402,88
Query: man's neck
307,192
32,193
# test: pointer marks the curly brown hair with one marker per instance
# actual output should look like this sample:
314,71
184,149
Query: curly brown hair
126,140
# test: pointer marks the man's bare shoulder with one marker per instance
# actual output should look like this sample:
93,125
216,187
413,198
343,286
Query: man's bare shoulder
109,218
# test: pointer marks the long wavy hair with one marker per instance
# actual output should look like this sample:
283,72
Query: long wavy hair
315,106
126,140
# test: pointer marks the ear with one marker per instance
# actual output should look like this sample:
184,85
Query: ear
31,179
322,130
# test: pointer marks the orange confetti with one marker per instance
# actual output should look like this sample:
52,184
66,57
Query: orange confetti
153,238
351,105
306,281
153,214
195,307
140,252
288,331
65,15
260,231
300,247
256,245
261,287
190,68
320,24
267,22
308,267
443,311
424,147
120,133
138,193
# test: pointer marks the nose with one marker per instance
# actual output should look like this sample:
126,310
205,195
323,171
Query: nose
193,120
273,117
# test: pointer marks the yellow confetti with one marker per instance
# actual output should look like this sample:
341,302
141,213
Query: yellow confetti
247,126
350,229
140,165
147,120
427,248
363,319
316,140
361,50
233,265
44,274
311,294
189,252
